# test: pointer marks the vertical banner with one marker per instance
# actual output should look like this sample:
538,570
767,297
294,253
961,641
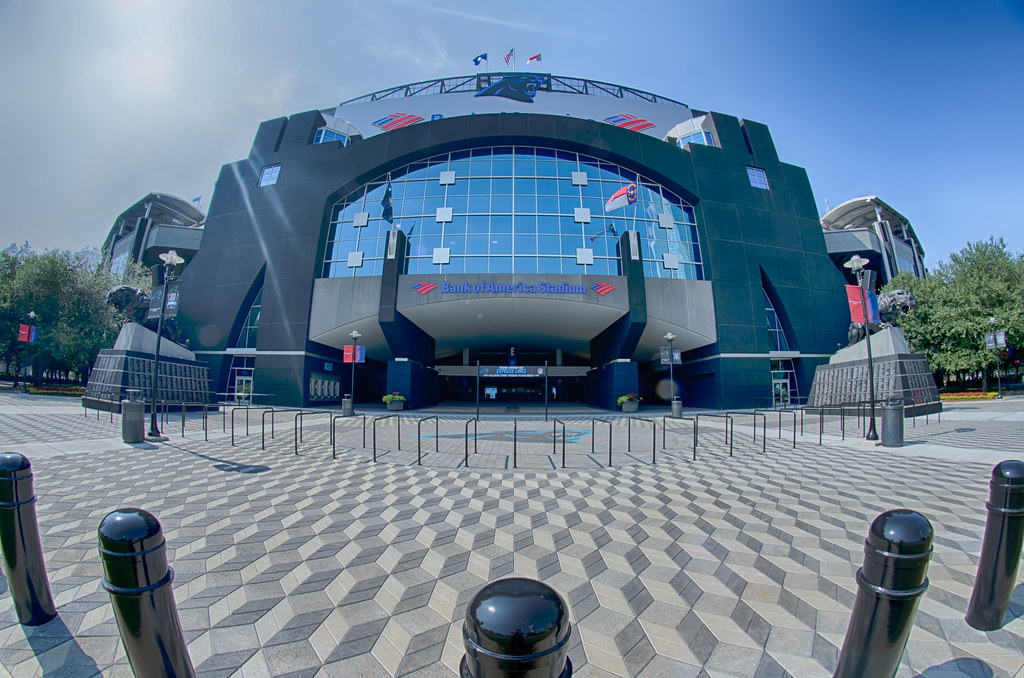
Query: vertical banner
853,297
156,300
24,331
353,353
171,307
34,335
873,314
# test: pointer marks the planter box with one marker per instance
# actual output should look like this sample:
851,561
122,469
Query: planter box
396,405
630,406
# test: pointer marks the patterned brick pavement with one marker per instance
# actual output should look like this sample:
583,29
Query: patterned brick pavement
304,565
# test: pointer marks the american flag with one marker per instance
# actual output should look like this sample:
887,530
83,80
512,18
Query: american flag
508,57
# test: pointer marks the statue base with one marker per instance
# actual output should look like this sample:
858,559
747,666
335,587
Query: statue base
900,376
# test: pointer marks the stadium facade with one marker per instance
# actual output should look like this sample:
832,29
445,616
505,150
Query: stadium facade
552,230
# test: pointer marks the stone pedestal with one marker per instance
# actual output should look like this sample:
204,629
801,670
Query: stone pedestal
899,375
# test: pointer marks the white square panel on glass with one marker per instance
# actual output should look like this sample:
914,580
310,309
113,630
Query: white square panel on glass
444,214
360,219
582,215
584,255
670,260
447,177
355,259
666,221
442,255
579,178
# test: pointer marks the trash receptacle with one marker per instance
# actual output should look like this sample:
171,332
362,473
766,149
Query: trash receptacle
892,425
346,406
133,418
677,407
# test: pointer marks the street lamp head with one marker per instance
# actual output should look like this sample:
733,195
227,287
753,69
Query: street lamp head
670,336
856,263
171,258
354,334
32,314
992,321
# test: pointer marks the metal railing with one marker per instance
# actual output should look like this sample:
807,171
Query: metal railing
474,420
263,424
629,435
554,438
419,438
388,416
693,427
298,423
730,426
593,424
334,433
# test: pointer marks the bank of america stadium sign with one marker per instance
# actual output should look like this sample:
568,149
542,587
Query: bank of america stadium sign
491,287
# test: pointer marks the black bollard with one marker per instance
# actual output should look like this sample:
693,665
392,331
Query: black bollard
138,579
889,586
516,628
1000,552
19,541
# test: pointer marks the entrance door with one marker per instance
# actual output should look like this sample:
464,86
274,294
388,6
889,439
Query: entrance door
243,389
780,392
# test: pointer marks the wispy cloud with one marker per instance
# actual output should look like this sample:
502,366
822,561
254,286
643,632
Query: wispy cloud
486,19
428,56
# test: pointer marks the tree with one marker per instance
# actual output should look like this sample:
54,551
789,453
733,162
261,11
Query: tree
67,292
981,281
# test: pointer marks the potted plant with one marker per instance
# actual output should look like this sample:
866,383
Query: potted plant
629,402
394,401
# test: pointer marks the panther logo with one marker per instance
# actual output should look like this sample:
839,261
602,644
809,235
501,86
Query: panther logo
515,87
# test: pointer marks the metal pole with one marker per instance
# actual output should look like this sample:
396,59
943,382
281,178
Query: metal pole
872,435
154,432
477,389
516,627
355,357
1001,548
20,548
138,578
995,342
545,390
889,586
671,372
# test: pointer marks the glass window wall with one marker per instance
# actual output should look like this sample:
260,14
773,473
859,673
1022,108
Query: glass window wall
493,184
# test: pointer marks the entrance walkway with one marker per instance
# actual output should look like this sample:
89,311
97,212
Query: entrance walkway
306,565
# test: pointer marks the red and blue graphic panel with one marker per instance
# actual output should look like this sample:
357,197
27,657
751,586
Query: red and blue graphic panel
602,288
629,122
423,287
396,120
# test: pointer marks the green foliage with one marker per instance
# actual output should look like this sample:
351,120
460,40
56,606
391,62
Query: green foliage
981,281
67,292
628,398
393,397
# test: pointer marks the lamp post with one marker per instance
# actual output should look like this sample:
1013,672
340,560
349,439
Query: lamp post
355,358
671,361
856,264
995,343
24,376
170,259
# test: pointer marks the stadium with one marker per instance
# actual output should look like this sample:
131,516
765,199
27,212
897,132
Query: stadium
513,237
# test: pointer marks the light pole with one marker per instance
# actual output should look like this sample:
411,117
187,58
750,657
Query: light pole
995,343
671,374
24,377
856,264
170,259
355,358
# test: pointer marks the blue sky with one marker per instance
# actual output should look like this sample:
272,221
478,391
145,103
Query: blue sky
106,101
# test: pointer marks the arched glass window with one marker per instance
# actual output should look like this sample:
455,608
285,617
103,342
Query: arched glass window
513,209
774,326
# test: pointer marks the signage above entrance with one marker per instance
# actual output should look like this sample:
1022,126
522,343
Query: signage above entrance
492,287
511,371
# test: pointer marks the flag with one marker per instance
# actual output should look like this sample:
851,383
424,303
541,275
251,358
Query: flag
353,353
385,206
622,197
535,57
34,337
24,332
610,228
856,312
873,314
481,57
198,202
508,57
